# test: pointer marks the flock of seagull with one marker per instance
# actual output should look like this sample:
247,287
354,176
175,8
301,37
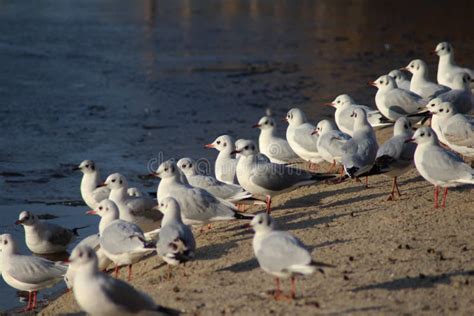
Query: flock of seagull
133,225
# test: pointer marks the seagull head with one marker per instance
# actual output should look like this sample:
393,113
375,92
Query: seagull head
84,256
167,169
384,83
26,218
323,126
87,166
416,66
295,117
403,127
424,135
461,81
398,75
7,244
446,110
265,123
187,166
116,181
434,104
443,48
262,222
106,208
246,148
341,100
170,209
223,142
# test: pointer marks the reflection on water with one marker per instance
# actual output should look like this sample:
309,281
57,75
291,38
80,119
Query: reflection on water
121,82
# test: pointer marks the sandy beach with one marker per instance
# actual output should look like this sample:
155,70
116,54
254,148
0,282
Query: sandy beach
402,257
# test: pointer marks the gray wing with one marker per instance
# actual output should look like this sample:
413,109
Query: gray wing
359,153
277,177
92,241
459,98
404,102
280,250
142,203
392,148
333,142
303,137
125,296
215,187
121,237
176,240
345,119
459,131
444,165
432,90
35,270
101,193
198,204
56,234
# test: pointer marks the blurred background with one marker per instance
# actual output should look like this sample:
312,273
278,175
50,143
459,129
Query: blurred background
123,82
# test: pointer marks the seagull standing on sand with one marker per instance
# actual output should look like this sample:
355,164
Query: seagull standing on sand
420,83
438,166
98,294
272,146
298,135
222,190
281,254
330,142
394,102
28,273
269,179
345,105
176,242
447,68
360,151
45,238
225,162
91,193
198,207
122,242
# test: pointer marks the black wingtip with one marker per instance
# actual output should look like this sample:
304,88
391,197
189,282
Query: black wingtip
322,264
244,216
351,172
322,176
168,311
75,230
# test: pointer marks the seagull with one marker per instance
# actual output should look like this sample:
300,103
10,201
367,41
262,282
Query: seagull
225,163
420,83
176,242
298,135
122,242
90,192
137,210
456,130
447,68
460,95
92,241
345,105
395,156
98,294
439,166
330,142
269,179
45,238
225,191
394,102
198,207
400,79
272,146
28,273
359,152
281,254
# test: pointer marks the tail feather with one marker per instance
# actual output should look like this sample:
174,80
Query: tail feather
302,269
321,264
167,310
243,216
240,196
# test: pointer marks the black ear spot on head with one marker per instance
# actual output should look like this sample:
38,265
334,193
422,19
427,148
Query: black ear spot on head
448,49
447,111
428,134
93,167
121,182
225,144
172,169
253,147
5,242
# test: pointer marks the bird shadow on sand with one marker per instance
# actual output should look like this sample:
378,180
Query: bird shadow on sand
215,251
419,282
362,310
242,266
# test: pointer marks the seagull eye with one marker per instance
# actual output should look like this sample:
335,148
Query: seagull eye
101,208
265,123
432,104
422,134
339,101
441,110
113,180
260,221
412,66
166,169
80,254
162,204
87,166
183,166
246,147
218,142
442,48
380,81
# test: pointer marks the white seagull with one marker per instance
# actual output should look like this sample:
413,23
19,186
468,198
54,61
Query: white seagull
225,162
400,79
447,68
420,83
330,142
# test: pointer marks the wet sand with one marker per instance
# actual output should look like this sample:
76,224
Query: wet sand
402,257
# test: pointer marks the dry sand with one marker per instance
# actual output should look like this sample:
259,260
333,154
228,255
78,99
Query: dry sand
402,257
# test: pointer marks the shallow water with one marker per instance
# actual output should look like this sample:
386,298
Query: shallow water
123,82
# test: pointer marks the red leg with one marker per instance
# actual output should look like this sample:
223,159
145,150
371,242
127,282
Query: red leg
269,204
396,186
332,166
209,226
129,272
35,294
366,181
117,271
28,306
436,193
293,288
277,293
445,195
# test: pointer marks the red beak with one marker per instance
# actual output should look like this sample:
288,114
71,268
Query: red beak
314,132
236,152
91,212
209,146
18,222
329,103
404,68
256,126
67,261
284,119
372,83
102,185
410,140
433,52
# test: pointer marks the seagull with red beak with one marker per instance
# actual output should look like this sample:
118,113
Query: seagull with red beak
439,166
225,163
